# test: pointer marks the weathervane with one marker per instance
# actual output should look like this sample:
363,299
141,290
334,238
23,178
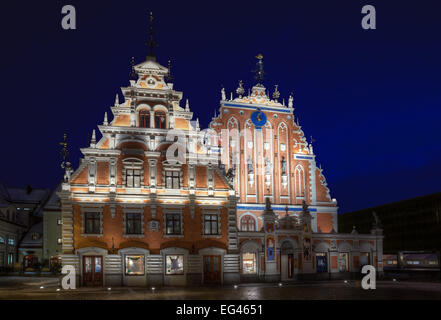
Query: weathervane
65,164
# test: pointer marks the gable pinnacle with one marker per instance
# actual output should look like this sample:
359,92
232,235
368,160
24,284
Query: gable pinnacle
93,140
187,105
105,122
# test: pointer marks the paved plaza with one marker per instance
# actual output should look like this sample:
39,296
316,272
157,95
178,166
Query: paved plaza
46,289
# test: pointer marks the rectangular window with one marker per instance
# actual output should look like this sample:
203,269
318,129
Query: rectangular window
135,265
92,223
249,265
211,224
10,258
343,262
2,240
172,179
174,264
364,258
11,241
133,223
173,223
59,222
133,178
59,241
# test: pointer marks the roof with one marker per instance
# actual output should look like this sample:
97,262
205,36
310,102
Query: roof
28,242
53,203
27,195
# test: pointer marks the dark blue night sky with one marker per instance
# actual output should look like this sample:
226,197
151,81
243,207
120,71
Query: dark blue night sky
371,99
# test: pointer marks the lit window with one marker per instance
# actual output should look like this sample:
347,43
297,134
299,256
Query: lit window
173,223
249,265
172,179
92,223
144,119
59,241
135,265
247,223
11,241
133,178
343,262
10,258
174,264
2,240
133,223
59,222
211,224
160,120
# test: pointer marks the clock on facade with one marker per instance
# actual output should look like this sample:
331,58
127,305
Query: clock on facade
258,118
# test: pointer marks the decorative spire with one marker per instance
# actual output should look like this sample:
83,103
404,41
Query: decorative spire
197,124
231,95
151,43
240,90
187,105
64,152
169,76
133,75
259,71
65,164
93,140
276,93
116,100
105,122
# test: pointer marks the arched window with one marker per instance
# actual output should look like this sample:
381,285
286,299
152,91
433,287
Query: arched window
144,119
247,223
160,120
300,181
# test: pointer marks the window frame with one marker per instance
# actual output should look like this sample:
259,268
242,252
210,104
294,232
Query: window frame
210,222
180,273
249,218
96,219
175,178
142,256
159,115
142,116
174,220
129,217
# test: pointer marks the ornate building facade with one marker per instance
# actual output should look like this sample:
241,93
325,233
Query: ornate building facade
157,201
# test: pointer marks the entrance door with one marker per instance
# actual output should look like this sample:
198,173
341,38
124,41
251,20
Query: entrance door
287,266
92,271
212,269
322,266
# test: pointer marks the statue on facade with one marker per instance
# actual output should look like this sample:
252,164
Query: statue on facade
267,166
230,175
267,204
377,222
283,165
250,165
224,97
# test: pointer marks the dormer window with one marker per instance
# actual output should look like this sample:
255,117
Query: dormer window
144,119
160,120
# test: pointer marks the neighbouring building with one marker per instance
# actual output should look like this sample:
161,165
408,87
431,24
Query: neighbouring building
412,230
20,228
52,229
158,201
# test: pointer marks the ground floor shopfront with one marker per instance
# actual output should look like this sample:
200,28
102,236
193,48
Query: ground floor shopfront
259,259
